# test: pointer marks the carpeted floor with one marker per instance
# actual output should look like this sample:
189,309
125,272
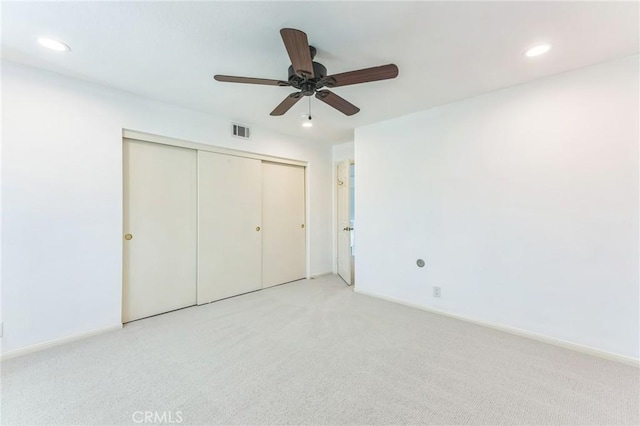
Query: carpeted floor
314,352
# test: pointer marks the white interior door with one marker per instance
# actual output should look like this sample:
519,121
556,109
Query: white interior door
344,222
229,222
160,217
283,219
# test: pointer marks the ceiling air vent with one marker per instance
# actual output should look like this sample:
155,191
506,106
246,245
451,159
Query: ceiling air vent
240,131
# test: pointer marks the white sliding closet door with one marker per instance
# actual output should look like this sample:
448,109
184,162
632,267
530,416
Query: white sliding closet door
160,216
283,219
229,222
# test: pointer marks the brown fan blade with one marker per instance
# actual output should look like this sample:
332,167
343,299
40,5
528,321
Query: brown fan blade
298,49
337,102
286,105
250,80
383,72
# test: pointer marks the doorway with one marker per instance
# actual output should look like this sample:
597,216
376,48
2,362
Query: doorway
346,221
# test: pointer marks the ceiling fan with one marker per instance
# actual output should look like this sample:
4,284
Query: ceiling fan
309,77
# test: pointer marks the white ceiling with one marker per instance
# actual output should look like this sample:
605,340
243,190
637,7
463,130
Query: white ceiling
446,51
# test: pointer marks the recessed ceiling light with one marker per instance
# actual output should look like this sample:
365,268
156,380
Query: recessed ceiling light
538,50
307,123
53,44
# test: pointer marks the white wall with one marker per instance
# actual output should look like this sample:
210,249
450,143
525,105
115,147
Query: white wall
523,202
62,197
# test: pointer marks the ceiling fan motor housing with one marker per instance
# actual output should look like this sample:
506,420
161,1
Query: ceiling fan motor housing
308,87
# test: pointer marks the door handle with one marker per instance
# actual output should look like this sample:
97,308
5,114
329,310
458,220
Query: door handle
348,229
128,237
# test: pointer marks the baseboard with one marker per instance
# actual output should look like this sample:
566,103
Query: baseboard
517,331
56,342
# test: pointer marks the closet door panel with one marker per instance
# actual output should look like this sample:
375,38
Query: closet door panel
160,216
283,219
229,235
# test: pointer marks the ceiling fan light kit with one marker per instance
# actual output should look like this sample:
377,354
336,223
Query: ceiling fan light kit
307,118
310,77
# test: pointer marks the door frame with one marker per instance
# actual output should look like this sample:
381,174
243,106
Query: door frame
181,143
164,140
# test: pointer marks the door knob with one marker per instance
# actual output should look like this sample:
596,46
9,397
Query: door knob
258,228
348,229
128,237
302,226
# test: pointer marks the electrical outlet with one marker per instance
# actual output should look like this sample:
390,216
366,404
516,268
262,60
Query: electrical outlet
436,292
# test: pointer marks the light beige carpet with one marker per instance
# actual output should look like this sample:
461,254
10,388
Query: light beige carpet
314,352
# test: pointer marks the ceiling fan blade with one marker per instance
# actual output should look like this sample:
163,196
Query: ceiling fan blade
383,72
298,49
342,105
249,80
286,105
